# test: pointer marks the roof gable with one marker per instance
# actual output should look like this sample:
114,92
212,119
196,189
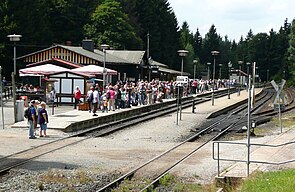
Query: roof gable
134,57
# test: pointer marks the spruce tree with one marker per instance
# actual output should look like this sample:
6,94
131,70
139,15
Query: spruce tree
291,53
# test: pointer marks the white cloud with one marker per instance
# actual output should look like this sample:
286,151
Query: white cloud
234,17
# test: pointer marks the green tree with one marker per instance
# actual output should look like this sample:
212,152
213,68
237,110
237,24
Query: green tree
7,26
186,42
197,39
291,53
157,18
211,43
109,24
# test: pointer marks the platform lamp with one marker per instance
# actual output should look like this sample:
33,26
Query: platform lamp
240,68
104,47
208,70
195,61
248,71
182,54
220,66
228,86
214,53
14,38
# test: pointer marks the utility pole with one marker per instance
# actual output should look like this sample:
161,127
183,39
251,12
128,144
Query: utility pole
148,55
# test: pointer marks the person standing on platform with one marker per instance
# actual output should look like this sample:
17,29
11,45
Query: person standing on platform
89,98
32,119
112,96
95,101
77,96
43,119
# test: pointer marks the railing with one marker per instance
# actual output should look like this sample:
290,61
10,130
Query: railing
216,144
7,92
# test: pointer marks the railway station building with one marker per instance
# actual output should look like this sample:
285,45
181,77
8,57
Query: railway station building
129,66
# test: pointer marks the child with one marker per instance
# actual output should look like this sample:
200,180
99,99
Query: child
43,119
104,103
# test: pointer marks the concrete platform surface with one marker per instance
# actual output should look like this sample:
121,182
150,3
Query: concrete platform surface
273,155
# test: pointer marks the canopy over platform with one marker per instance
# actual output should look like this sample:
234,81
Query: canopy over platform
94,70
42,70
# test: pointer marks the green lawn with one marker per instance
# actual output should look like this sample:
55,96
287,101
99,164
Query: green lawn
280,181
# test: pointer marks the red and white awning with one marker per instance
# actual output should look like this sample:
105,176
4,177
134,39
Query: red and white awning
42,70
94,70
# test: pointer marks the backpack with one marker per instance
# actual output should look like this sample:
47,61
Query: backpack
28,114
90,97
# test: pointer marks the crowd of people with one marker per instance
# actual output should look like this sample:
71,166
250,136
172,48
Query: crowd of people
126,94
28,88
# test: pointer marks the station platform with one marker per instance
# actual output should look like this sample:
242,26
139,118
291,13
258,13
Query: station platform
277,157
73,120
272,155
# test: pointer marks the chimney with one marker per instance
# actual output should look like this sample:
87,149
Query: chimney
88,45
68,43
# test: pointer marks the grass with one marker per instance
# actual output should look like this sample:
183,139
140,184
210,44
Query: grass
280,181
288,120
167,183
52,176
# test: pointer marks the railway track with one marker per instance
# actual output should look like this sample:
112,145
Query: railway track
14,160
22,157
162,164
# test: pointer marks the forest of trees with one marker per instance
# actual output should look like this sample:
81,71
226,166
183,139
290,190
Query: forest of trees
124,24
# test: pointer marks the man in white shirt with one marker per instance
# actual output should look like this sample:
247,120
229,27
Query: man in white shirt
89,98
95,101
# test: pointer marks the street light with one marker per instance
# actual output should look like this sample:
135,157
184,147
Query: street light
14,38
214,53
208,70
229,67
104,48
182,53
240,68
267,75
248,74
220,66
195,63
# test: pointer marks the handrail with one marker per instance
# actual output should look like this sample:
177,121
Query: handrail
218,159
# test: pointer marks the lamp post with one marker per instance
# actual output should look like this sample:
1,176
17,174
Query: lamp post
240,68
267,75
104,48
14,38
257,75
195,63
214,53
220,66
182,54
208,70
228,90
1,91
248,74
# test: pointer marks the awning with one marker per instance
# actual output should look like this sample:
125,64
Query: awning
94,70
42,70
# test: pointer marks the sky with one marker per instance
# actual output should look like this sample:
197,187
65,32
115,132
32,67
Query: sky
233,17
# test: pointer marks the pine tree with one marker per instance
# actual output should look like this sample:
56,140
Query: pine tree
291,53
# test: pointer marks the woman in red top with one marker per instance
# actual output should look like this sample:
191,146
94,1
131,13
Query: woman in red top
77,96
